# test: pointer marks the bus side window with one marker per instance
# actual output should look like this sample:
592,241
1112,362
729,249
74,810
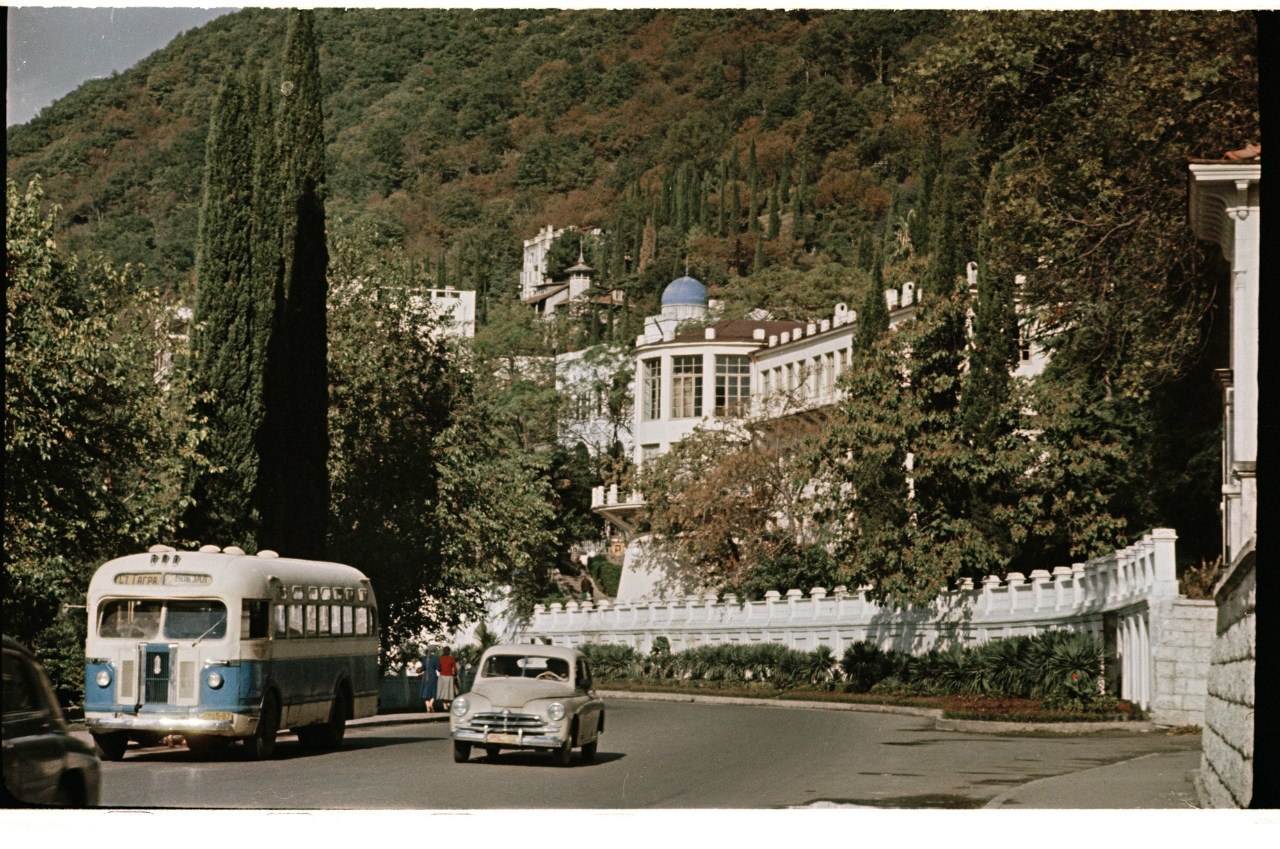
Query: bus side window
323,628
278,620
362,621
348,625
295,620
335,618
311,620
254,623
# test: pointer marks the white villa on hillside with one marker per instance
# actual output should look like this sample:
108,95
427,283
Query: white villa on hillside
540,291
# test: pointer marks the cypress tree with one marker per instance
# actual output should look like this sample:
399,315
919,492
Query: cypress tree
873,318
758,263
753,190
775,220
297,438
995,331
784,177
720,213
223,343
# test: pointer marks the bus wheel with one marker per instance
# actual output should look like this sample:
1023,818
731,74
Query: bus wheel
262,744
111,746
330,734
207,746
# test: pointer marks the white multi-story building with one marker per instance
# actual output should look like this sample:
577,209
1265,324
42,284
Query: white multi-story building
539,290
456,309
762,368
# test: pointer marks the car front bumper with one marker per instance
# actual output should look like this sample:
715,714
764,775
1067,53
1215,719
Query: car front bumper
508,740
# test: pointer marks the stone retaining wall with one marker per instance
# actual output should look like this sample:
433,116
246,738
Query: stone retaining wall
1226,767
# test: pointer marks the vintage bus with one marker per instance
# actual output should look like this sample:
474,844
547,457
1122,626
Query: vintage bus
218,646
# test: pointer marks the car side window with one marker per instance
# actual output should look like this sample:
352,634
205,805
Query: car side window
584,676
19,695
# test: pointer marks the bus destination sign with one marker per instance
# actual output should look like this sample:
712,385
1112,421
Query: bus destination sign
172,579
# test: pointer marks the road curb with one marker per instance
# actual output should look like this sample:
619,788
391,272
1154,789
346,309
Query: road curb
974,726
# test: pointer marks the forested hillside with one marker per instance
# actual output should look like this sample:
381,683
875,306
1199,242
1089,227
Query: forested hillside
785,158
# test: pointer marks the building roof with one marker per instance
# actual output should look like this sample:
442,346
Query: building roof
740,330
684,291
542,296
1248,153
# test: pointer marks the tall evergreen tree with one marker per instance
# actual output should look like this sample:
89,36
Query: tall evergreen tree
873,318
775,220
227,349
995,330
296,446
753,191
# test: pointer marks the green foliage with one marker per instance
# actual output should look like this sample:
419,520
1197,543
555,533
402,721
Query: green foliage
97,448
1063,668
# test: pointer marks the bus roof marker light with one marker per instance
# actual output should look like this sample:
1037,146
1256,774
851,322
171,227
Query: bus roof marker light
266,552
157,548
209,549
233,549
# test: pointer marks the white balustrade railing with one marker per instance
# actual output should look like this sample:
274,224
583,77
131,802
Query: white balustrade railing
1124,583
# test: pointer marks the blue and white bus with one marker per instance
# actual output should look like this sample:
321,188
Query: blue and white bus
218,646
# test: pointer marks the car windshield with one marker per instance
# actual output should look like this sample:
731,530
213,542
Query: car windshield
526,666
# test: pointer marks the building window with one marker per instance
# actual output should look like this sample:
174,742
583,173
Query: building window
733,384
1024,342
651,376
829,371
647,453
686,387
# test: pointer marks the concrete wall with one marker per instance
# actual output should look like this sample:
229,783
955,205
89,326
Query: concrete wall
1226,766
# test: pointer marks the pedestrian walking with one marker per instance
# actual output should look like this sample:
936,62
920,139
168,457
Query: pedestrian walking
430,676
448,671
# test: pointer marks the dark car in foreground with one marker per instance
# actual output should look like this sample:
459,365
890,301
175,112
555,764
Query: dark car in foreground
44,764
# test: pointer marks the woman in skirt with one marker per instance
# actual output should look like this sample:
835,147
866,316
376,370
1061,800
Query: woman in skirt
445,689
430,675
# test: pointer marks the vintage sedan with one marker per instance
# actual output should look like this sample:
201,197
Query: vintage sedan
529,697
44,763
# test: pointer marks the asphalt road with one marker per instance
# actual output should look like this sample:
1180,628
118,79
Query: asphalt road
656,755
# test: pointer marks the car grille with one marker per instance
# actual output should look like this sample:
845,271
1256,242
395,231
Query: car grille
507,722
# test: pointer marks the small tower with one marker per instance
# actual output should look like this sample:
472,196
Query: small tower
579,277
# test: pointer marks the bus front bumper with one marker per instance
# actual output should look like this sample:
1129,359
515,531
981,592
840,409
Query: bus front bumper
219,723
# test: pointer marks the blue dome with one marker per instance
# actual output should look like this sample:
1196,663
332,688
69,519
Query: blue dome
684,291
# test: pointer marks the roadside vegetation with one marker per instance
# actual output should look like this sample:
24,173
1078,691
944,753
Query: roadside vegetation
1052,677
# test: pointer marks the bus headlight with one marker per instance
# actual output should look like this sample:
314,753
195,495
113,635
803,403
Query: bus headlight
556,711
214,680
103,678
460,706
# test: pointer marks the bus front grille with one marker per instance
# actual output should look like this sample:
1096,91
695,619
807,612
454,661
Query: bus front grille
128,681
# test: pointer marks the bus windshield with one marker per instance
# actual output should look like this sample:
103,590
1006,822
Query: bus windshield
140,619
189,620
130,618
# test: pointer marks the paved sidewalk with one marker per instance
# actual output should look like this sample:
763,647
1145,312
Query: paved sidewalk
1158,780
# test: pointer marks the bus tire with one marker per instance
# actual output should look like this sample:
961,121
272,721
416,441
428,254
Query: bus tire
329,734
111,746
262,745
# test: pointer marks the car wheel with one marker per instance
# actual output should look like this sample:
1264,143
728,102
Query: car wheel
262,745
111,746
562,755
461,751
589,751
491,751
70,791
207,746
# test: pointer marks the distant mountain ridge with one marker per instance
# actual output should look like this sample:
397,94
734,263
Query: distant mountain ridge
461,132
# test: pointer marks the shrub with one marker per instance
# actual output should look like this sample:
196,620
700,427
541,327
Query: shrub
864,665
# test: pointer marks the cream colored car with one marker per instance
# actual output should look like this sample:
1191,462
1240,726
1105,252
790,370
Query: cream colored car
529,697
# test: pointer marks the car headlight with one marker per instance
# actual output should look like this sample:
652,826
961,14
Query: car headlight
556,711
214,680
460,706
103,678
